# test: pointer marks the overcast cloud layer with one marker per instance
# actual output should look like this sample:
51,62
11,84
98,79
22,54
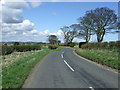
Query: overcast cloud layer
16,27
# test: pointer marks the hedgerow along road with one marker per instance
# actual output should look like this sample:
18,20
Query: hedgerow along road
64,69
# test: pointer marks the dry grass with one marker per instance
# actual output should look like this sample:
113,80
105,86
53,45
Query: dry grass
12,58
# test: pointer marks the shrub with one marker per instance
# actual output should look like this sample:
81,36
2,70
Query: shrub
62,44
52,46
85,46
6,50
117,43
81,43
23,48
72,44
16,43
112,44
104,44
101,45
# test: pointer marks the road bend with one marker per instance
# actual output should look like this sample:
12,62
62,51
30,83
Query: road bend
64,69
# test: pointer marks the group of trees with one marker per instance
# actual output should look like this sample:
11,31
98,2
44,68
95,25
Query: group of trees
70,33
53,39
99,21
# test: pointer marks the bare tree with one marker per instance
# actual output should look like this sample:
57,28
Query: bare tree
101,21
73,32
65,31
85,28
70,32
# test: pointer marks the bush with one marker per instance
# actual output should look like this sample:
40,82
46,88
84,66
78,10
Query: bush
112,44
101,45
6,50
16,43
62,44
52,46
117,43
72,44
23,48
81,43
104,44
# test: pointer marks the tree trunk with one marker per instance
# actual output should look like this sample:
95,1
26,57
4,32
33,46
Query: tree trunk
99,34
98,38
87,38
102,35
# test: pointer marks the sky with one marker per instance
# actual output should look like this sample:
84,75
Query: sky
34,21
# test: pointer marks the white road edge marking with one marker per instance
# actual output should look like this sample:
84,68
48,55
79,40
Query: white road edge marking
69,66
91,88
62,55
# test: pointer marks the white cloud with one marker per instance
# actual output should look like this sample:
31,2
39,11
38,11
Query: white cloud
60,32
46,31
33,35
19,28
16,5
15,27
35,4
10,15
34,31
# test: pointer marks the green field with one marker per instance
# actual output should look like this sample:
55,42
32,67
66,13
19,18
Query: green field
102,56
18,65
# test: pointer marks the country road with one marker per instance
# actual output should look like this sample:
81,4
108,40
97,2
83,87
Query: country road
63,69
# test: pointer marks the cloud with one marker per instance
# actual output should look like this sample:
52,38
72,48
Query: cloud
16,5
10,15
18,33
26,25
35,4
13,26
11,9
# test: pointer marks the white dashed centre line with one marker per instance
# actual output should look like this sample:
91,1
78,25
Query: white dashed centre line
91,88
62,55
69,66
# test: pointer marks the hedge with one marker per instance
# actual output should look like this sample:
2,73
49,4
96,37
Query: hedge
101,45
52,46
23,48
5,49
81,43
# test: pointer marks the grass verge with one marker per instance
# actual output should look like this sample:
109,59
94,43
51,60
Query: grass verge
103,56
15,74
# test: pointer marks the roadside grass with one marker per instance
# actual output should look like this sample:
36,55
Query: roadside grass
16,73
15,56
102,56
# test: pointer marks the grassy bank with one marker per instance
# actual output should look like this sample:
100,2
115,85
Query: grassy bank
102,56
17,71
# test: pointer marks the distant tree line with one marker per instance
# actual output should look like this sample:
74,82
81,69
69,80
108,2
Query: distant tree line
95,22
